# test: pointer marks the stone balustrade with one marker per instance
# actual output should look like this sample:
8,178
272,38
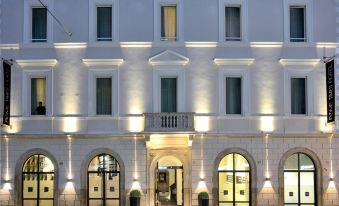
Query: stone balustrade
169,122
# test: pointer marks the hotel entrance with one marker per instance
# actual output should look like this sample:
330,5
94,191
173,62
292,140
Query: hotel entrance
169,182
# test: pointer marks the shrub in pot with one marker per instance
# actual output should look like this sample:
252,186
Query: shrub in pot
203,199
134,198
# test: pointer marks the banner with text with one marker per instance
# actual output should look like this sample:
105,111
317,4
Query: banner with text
330,90
7,93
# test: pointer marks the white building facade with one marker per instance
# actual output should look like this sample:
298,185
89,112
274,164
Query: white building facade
169,97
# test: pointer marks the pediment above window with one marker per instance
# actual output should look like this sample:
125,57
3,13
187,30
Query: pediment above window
168,57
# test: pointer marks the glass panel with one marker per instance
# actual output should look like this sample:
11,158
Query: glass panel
38,96
39,24
104,96
240,162
291,162
46,185
307,187
233,95
232,23
112,185
46,203
242,186
104,23
168,94
31,165
226,186
46,164
297,24
225,204
298,95
30,186
95,185
97,163
291,187
112,202
242,204
168,23
30,203
111,164
95,203
226,163
305,162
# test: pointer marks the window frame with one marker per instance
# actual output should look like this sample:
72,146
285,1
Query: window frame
28,13
93,74
308,4
309,76
243,74
96,22
243,4
26,91
306,94
93,4
157,19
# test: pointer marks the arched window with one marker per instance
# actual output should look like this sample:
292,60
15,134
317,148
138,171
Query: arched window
38,181
103,176
234,177
299,180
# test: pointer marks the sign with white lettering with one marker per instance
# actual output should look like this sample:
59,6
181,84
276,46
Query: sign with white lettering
7,93
330,91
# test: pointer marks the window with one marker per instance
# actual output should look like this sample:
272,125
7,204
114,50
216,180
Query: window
38,181
168,94
103,181
38,96
232,23
298,96
39,24
168,23
298,24
234,174
299,180
103,20
103,96
104,23
233,95
233,18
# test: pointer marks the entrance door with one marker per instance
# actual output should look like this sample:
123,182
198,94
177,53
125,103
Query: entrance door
169,182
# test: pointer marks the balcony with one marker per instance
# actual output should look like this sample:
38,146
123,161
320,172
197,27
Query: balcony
169,122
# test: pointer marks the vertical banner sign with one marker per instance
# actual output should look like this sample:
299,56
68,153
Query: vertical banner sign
330,87
7,93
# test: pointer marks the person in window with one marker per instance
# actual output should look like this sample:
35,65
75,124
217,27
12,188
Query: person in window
41,110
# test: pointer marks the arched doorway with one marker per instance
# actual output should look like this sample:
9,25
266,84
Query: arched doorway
169,182
38,181
103,181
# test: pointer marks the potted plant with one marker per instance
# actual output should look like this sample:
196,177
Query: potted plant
203,199
134,198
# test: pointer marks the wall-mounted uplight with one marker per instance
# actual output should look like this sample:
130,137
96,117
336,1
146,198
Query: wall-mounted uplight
7,185
201,123
70,125
136,124
266,124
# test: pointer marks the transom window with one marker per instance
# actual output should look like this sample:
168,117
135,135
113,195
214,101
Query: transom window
103,178
234,175
233,23
299,181
169,23
39,24
38,181
298,24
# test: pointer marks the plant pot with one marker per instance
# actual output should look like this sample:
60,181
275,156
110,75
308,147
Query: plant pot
203,202
134,201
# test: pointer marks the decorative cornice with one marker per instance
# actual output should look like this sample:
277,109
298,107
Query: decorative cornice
287,62
103,62
233,61
76,45
9,46
157,61
37,62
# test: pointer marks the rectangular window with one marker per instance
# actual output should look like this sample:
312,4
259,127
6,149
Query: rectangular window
39,24
104,23
168,94
169,23
298,24
104,96
233,95
38,96
298,96
232,23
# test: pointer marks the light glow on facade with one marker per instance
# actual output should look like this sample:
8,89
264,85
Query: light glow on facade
70,125
201,123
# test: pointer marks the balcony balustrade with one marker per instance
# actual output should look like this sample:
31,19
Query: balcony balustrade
169,122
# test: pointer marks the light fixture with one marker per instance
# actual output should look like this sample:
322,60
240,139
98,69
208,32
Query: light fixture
331,179
267,179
